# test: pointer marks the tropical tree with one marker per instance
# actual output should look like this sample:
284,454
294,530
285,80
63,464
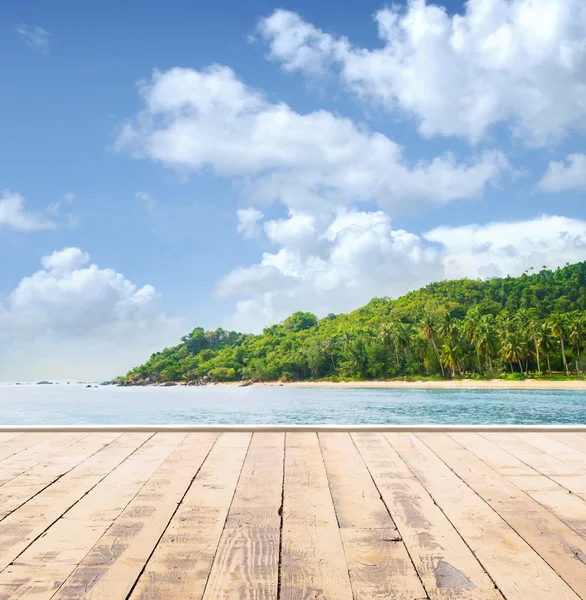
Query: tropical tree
428,332
560,329
576,336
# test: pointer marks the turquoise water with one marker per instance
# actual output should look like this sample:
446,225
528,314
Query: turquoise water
74,404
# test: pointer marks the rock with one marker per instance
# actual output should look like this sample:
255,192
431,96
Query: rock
44,382
168,384
245,384
88,386
95,386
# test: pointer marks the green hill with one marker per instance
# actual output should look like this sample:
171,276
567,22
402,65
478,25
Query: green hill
533,325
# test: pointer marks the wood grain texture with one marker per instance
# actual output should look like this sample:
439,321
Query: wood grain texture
357,502
571,509
47,563
295,516
379,566
517,570
550,537
446,566
573,478
41,452
19,529
249,545
115,562
313,562
181,563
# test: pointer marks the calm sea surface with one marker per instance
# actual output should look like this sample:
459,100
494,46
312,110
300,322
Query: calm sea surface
75,404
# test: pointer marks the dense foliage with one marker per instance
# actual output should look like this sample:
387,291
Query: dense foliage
533,325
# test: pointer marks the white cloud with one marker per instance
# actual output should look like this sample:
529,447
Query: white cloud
36,37
569,175
72,310
510,248
248,219
149,202
197,119
518,62
358,255
14,215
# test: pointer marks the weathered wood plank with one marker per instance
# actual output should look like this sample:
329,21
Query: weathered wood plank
568,507
72,537
567,454
22,488
21,442
357,502
378,562
153,523
571,478
181,563
517,570
552,539
41,452
19,529
257,500
313,562
246,565
446,566
379,566
574,440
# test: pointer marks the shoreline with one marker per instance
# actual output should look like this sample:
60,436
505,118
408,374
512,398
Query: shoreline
465,384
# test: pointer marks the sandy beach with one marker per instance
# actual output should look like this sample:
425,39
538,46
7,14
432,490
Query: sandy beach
465,384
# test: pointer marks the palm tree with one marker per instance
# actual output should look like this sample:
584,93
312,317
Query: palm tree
559,328
576,336
486,339
545,342
428,332
449,356
471,328
512,350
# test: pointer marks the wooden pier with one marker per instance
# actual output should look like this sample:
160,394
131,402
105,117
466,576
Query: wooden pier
293,515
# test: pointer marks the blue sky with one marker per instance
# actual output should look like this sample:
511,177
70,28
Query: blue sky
167,165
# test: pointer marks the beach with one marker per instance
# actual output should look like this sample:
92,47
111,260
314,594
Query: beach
465,384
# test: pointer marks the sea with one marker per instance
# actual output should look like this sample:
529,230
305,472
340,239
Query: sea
77,404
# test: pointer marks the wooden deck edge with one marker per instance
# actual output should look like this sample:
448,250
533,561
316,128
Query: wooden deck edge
287,428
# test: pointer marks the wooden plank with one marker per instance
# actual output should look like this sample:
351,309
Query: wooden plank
574,440
312,558
553,540
571,478
21,442
20,489
257,500
73,536
446,566
378,562
560,450
154,524
19,529
357,502
530,455
517,570
568,507
26,459
246,565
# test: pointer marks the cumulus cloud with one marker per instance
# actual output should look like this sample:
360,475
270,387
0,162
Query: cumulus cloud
510,248
248,222
569,175
358,255
35,37
71,310
14,215
518,62
197,119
